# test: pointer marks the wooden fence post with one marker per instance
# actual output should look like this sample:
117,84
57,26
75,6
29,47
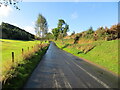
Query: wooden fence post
12,56
28,48
22,51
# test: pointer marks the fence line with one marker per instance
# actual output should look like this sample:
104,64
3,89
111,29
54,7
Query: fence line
23,51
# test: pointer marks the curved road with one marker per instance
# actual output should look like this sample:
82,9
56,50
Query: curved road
59,69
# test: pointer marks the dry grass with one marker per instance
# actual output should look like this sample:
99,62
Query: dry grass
84,41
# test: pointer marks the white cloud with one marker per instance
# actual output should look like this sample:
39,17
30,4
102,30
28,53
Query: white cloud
5,11
30,29
74,15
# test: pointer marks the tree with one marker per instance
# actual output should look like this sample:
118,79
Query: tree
41,26
55,32
10,2
49,36
61,22
63,28
66,29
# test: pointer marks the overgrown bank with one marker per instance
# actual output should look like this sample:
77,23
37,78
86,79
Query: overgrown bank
20,73
103,53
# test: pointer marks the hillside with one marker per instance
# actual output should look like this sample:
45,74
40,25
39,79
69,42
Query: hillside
13,32
102,53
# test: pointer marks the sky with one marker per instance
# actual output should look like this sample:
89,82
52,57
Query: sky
78,15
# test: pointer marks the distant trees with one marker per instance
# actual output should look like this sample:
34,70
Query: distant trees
61,30
12,32
41,26
49,36
55,32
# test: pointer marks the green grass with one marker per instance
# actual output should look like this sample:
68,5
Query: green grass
19,75
8,46
15,46
105,53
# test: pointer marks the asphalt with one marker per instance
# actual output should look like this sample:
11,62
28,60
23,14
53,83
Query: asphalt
59,69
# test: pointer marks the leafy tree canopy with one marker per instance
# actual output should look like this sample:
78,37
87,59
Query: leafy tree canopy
41,26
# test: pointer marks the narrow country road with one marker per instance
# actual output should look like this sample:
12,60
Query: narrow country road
59,69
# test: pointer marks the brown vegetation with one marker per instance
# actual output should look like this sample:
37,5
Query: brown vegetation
102,33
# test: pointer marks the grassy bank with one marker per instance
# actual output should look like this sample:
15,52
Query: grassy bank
16,46
18,75
103,53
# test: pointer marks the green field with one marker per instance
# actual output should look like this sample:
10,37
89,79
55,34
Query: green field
15,46
8,46
22,72
105,53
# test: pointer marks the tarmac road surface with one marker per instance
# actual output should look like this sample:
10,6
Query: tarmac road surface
59,69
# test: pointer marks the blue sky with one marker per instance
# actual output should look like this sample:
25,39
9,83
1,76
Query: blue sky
78,15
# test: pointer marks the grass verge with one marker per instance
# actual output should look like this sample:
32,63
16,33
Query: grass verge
103,53
19,73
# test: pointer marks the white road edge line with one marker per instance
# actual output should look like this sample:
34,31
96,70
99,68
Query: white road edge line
99,81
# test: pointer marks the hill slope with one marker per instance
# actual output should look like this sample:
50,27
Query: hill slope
104,53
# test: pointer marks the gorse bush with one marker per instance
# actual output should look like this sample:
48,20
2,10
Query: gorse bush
101,33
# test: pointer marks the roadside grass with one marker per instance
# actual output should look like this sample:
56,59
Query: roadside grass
18,75
103,53
9,46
